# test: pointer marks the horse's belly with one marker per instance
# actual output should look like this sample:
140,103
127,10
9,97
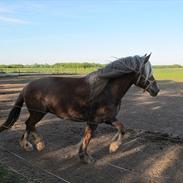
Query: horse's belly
71,114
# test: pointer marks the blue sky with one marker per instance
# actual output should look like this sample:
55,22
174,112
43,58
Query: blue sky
90,30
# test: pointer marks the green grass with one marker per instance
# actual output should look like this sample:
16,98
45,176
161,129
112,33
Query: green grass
58,68
175,74
49,70
169,72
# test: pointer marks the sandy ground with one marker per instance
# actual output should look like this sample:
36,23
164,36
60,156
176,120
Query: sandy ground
146,155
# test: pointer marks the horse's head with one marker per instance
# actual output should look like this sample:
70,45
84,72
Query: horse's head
145,78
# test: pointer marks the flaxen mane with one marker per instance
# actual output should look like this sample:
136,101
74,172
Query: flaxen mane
99,79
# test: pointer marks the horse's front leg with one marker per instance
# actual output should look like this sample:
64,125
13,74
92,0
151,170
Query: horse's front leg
88,134
117,139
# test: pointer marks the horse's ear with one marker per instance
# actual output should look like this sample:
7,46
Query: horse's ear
146,58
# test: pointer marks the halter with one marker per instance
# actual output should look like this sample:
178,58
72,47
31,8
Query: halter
146,80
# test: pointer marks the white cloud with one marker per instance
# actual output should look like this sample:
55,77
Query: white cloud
13,20
8,14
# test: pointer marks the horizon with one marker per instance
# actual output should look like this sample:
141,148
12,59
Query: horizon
70,62
48,32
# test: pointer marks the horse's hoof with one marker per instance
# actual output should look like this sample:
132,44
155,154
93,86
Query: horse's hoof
40,145
88,160
27,146
113,147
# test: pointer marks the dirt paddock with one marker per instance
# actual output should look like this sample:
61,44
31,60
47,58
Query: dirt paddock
152,150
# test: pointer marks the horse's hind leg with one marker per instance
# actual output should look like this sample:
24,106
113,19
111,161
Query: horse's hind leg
117,139
38,140
24,143
30,128
89,130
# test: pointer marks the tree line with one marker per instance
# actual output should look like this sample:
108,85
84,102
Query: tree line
56,65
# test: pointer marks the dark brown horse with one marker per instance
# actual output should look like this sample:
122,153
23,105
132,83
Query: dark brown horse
82,99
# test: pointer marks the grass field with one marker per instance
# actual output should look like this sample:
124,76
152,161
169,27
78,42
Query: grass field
160,73
49,70
175,74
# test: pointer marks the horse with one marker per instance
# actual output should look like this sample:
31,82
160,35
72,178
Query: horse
94,99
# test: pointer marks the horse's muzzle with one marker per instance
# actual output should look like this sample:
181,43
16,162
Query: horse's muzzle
153,92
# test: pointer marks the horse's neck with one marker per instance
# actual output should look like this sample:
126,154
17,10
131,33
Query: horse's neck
120,86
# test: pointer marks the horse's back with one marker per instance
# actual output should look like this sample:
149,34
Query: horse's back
55,84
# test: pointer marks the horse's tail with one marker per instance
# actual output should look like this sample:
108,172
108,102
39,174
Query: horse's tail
14,113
